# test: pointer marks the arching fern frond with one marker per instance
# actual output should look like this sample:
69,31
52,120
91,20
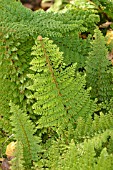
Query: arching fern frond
58,91
97,70
23,130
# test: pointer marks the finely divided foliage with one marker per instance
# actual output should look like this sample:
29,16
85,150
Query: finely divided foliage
97,70
64,97
24,130
56,87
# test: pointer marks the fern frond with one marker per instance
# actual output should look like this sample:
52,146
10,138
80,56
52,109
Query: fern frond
24,129
93,126
59,92
17,162
88,155
97,70
19,27
40,22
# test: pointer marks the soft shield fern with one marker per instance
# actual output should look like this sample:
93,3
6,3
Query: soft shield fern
24,130
58,91
93,126
88,155
97,70
19,27
17,162
91,154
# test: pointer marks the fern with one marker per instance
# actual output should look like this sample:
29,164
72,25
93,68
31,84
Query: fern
59,92
86,155
54,95
17,162
89,154
24,130
19,27
91,127
97,70
105,8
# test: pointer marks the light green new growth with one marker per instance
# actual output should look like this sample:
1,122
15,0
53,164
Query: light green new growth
87,155
58,90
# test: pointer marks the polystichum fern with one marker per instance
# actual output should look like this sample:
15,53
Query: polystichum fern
58,90
23,131
97,70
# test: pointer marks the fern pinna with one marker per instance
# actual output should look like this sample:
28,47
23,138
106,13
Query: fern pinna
58,91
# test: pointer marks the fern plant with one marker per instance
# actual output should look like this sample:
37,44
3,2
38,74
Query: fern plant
19,27
97,70
105,8
23,130
58,91
85,155
88,154
54,94
93,126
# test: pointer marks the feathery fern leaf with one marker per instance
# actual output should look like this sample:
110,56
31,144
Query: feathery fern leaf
97,71
59,92
17,162
24,130
91,127
88,155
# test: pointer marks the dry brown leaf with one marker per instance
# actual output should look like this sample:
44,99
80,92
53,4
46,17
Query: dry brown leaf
105,25
10,149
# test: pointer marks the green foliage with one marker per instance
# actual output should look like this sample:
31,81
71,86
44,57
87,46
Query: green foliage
23,130
50,83
92,126
85,155
90,154
17,163
19,26
105,8
97,70
75,47
53,81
